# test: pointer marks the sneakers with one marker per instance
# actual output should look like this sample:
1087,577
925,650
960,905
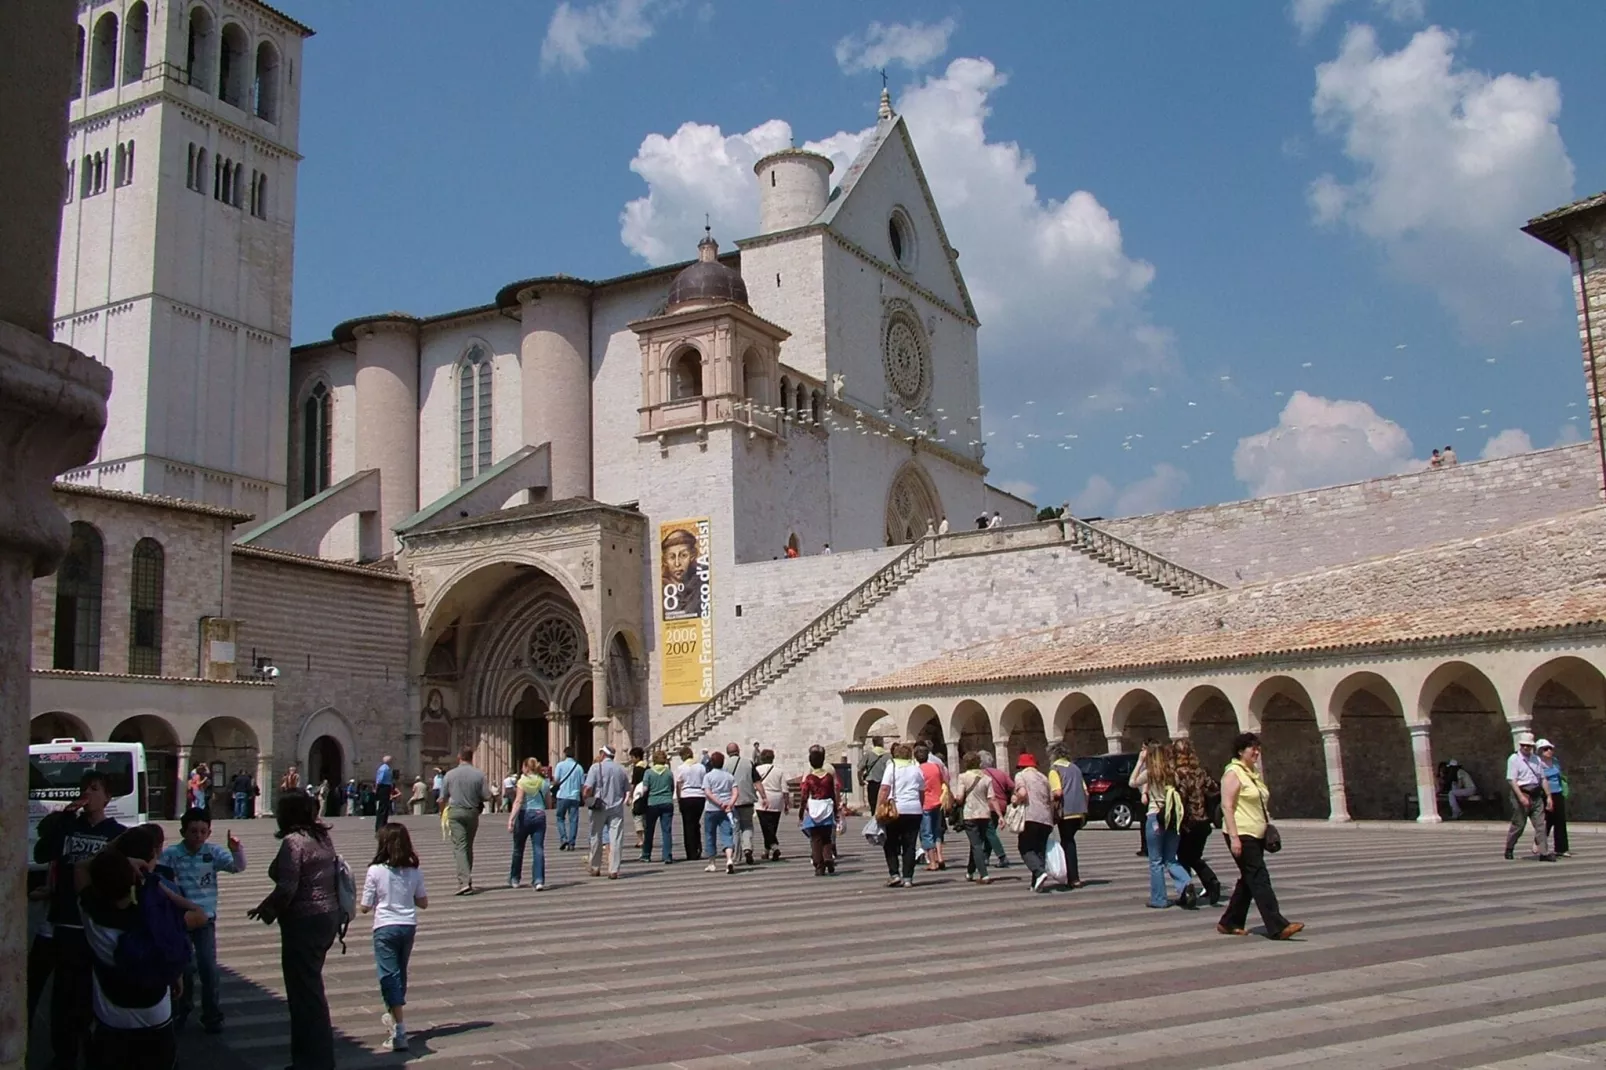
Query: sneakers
398,1034
515,884
908,882
1040,882
730,867
1289,930
711,868
747,856
539,887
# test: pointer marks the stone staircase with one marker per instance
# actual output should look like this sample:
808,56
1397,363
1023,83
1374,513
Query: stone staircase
1089,541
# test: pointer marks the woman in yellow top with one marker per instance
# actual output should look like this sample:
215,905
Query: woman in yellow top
1246,812
527,821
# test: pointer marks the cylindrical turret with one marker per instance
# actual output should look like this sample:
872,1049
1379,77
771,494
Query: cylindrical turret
555,363
793,187
387,420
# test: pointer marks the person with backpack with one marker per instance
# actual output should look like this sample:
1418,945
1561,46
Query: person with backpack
136,932
393,891
872,769
306,903
1201,807
195,864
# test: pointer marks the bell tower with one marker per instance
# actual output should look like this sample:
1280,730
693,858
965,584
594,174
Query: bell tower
177,239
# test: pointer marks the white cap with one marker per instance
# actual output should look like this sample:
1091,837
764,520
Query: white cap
1544,744
1525,739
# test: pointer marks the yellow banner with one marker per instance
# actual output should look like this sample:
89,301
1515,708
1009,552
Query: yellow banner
686,611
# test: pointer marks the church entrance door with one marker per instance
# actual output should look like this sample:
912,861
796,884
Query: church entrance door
529,729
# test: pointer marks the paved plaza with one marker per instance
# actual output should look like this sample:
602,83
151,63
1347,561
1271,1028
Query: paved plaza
1424,949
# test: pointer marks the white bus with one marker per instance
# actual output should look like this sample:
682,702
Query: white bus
55,768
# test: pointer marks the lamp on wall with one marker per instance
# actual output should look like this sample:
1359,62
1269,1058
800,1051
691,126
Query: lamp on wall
262,667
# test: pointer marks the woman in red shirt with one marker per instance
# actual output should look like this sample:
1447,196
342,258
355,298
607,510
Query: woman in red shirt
820,810
932,822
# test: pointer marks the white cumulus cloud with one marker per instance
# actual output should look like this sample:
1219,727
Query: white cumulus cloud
1508,443
1061,302
884,44
1448,163
574,31
1161,489
1310,15
1319,442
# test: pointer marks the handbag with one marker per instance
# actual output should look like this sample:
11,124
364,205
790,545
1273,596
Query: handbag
1014,819
886,810
1273,839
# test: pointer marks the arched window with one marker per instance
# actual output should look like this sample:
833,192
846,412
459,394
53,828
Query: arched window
473,413
227,184
199,54
87,179
234,66
134,31
217,177
265,87
753,376
315,442
786,395
189,169
262,197
78,581
145,609
238,188
78,67
121,165
103,54
686,375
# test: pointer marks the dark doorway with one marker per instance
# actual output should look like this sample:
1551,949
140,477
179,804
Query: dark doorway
529,729
326,764
585,747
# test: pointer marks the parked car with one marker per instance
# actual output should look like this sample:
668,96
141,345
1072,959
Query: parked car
1109,794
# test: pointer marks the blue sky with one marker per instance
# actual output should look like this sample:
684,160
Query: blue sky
1230,248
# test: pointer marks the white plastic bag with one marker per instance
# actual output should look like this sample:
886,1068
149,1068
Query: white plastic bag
1054,865
874,833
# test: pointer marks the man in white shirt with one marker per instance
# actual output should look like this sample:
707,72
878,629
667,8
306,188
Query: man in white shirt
1530,798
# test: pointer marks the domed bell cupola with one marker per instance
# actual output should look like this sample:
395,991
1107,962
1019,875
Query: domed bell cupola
707,282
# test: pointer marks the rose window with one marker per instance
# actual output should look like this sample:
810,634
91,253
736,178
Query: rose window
554,647
905,355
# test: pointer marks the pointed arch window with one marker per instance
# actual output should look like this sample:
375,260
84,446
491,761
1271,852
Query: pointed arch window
145,609
315,442
473,413
78,588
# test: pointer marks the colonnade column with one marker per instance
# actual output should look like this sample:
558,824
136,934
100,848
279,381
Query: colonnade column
1337,798
1113,744
183,781
1518,727
557,733
599,704
855,756
1427,778
1001,752
265,785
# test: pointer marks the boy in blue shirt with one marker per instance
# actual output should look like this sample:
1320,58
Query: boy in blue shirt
195,865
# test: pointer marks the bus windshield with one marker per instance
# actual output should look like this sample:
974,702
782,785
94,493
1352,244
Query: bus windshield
54,777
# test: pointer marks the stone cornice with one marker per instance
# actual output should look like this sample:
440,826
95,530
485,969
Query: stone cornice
125,108
904,280
740,313
184,306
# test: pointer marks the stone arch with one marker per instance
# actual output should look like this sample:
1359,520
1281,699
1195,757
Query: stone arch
685,373
971,727
229,746
1078,725
1375,744
755,377
1468,724
531,737
479,583
103,54
1021,724
80,581
1206,715
162,772
1566,700
1138,716
874,721
924,721
784,404
234,65
265,84
326,724
199,49
913,504
57,724
136,28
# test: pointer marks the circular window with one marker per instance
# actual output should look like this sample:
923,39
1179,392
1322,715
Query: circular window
908,366
901,239
554,647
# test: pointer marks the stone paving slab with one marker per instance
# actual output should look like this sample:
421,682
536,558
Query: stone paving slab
1424,949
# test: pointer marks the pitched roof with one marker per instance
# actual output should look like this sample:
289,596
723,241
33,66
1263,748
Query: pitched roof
1039,656
376,571
1552,227
160,501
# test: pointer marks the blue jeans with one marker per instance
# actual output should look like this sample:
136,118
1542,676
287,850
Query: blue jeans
393,946
716,832
202,962
529,825
931,828
661,818
239,805
1162,847
568,821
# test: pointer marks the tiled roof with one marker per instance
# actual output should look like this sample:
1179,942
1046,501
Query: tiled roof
1038,656
374,571
161,501
1551,228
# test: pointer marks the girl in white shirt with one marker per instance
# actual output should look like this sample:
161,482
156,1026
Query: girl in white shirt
394,891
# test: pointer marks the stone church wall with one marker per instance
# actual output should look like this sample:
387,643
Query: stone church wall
340,640
1265,538
952,603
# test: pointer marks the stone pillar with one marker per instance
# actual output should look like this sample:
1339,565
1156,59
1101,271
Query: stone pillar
1518,727
266,785
1114,743
855,756
1427,778
183,781
387,424
601,724
1001,752
1338,801
557,733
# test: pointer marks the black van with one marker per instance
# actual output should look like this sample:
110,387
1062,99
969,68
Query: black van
1109,795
